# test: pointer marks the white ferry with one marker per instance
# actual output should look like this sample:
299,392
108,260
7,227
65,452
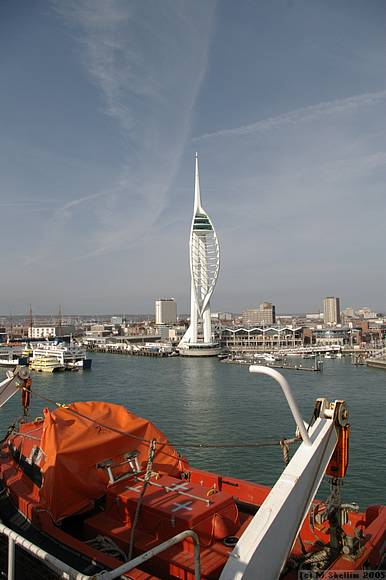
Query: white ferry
46,364
70,356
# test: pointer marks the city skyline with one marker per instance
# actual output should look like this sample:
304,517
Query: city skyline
357,311
106,104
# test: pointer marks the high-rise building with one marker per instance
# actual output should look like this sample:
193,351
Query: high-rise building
165,311
331,309
204,269
265,314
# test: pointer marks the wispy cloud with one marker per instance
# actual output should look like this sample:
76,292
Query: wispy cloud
302,115
148,63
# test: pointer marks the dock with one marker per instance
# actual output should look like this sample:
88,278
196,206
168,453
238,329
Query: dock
377,360
376,363
318,368
113,349
285,366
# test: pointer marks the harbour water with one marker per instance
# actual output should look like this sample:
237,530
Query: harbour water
206,401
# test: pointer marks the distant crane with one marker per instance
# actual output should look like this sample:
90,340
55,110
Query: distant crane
31,321
60,320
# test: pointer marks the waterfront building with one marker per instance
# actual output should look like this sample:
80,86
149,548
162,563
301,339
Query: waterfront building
265,314
99,330
51,331
343,336
331,309
257,339
176,333
165,311
204,268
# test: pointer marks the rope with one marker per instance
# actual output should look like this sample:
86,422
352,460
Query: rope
285,448
146,480
107,546
240,445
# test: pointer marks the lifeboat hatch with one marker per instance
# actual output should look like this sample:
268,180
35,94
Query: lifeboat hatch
169,506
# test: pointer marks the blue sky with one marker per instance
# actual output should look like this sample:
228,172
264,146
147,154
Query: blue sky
102,106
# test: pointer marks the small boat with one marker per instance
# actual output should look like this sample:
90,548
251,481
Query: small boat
46,364
269,358
12,362
103,489
11,357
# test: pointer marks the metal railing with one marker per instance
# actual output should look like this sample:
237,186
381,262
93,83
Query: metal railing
66,571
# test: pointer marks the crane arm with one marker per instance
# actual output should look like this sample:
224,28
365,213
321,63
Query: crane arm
264,547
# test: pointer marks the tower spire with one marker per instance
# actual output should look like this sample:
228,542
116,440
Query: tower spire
204,255
197,192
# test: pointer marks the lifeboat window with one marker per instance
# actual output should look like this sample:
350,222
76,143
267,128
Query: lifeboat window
35,456
30,469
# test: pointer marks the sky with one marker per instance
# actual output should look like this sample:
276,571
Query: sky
103,104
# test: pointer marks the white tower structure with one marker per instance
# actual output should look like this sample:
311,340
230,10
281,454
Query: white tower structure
204,268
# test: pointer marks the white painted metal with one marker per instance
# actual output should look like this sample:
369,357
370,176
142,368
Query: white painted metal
12,384
11,558
16,539
288,395
153,552
204,255
68,572
263,549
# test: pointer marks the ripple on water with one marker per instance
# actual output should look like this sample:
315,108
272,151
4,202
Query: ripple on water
207,401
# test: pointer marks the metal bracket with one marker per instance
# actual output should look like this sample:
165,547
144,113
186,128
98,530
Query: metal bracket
130,459
336,411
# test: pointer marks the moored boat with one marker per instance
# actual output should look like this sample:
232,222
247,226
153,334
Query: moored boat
70,356
110,487
11,357
46,364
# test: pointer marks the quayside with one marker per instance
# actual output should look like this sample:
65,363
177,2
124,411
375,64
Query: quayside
101,489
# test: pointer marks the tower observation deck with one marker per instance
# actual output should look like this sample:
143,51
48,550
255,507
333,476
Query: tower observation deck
204,253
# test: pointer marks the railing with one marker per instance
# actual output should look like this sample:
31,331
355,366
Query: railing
70,573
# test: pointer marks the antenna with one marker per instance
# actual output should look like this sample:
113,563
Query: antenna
60,320
11,326
31,320
197,192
